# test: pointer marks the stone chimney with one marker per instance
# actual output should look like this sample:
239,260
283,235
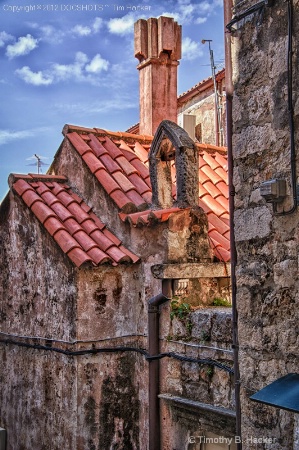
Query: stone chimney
158,49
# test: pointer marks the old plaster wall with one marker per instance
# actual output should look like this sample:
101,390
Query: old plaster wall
112,388
267,244
38,293
52,401
202,106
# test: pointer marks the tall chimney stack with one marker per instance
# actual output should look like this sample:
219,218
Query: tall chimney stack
158,49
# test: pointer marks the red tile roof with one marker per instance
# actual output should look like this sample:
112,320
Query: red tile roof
76,229
120,163
200,87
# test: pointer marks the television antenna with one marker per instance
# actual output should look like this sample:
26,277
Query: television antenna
219,141
39,162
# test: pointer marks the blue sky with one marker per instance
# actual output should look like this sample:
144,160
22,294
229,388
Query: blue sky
73,62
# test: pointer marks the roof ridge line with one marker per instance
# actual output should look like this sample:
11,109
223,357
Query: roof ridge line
102,132
13,177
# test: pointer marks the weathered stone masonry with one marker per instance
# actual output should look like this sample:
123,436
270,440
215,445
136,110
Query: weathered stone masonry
267,244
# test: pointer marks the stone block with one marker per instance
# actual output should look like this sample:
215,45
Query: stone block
252,223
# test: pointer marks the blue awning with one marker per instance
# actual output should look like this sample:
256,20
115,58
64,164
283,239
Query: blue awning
282,393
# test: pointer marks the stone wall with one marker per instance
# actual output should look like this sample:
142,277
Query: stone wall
202,106
196,399
33,398
267,243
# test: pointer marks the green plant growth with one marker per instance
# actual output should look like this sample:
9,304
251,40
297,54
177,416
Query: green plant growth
217,301
181,310
210,371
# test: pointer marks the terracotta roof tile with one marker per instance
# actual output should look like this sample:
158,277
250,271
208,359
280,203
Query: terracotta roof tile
96,146
72,225
217,223
103,241
65,240
61,211
89,226
203,178
211,174
42,211
52,225
148,216
141,152
109,163
111,236
138,200
59,189
98,256
140,185
30,197
79,257
222,186
78,143
84,240
21,186
141,168
40,187
92,161
129,154
219,238
106,180
77,230
123,201
125,177
97,221
223,202
123,181
117,255
222,173
212,189
131,255
126,166
112,149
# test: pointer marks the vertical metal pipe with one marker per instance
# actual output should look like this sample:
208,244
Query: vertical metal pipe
228,5
154,368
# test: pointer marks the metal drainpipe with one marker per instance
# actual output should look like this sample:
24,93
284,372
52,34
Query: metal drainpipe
228,5
154,365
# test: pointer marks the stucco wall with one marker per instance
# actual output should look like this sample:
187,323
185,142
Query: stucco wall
202,106
38,293
267,244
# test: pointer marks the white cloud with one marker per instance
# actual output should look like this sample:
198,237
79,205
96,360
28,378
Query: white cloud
5,37
35,78
191,49
97,64
201,20
51,34
81,70
12,135
81,31
23,46
122,26
188,12
97,24
63,72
